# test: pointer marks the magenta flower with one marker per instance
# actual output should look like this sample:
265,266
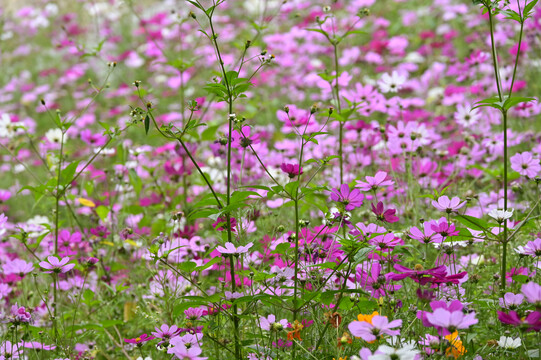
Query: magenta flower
525,164
221,224
231,249
448,322
53,265
418,275
351,199
384,215
291,170
371,332
4,195
20,315
448,205
370,278
532,292
373,182
269,323
140,339
532,322
444,229
243,138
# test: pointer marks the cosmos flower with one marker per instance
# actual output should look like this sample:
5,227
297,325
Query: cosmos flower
379,326
448,205
231,249
269,323
351,199
374,182
384,215
391,83
54,265
448,322
525,164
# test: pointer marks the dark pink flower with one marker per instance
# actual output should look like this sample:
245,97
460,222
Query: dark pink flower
291,170
351,199
140,339
384,215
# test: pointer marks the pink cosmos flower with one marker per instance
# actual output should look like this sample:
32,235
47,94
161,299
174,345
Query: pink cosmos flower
385,242
373,182
9,350
269,323
20,315
4,195
525,164
231,249
532,322
18,266
419,276
291,170
448,322
444,229
166,333
426,236
243,138
193,313
57,266
187,347
371,332
140,339
532,292
511,300
351,199
448,205
384,215
532,248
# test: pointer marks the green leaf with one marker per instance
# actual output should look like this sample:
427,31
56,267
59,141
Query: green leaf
66,175
510,102
529,7
102,212
135,181
282,248
473,222
147,124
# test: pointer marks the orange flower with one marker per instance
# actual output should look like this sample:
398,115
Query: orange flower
296,332
367,318
341,358
456,349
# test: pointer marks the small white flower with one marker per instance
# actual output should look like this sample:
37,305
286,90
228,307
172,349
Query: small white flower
390,353
6,127
55,136
509,342
391,83
501,215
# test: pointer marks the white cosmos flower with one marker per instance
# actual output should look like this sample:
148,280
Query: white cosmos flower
391,83
509,342
500,215
6,127
385,352
55,136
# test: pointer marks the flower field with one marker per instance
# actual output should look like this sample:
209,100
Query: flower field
268,179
